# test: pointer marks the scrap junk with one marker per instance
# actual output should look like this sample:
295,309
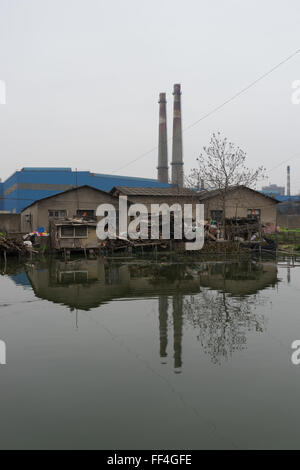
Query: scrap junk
246,232
13,245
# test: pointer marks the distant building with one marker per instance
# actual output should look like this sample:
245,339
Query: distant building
273,189
32,184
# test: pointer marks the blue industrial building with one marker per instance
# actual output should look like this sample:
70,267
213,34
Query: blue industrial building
30,184
282,198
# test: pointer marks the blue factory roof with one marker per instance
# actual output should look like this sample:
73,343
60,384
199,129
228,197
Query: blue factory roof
281,198
31,184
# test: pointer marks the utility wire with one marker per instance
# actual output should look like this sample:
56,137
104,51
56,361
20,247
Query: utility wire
285,161
217,108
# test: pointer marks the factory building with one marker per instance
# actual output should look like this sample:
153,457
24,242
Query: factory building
32,184
274,190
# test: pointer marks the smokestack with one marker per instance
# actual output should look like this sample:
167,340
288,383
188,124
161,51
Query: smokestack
288,183
162,168
177,160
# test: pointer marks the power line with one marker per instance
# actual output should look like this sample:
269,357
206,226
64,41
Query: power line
217,108
285,161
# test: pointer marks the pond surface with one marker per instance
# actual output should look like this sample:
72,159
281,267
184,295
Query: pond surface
149,355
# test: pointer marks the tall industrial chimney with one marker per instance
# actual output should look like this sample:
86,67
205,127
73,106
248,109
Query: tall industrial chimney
177,160
162,168
288,182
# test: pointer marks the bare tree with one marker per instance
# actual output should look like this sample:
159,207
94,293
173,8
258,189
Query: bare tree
222,166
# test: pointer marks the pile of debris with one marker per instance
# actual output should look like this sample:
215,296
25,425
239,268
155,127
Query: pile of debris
124,242
11,245
239,229
121,243
243,229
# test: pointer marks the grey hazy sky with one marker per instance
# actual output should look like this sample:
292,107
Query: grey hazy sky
83,79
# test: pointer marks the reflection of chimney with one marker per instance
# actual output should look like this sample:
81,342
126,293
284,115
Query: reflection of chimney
288,183
177,159
177,325
163,324
162,168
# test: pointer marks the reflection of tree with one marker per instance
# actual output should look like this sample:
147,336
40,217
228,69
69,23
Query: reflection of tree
224,311
223,321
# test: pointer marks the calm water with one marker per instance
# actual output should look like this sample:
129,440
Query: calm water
130,355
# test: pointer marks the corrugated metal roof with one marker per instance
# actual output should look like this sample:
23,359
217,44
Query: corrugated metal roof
44,168
130,191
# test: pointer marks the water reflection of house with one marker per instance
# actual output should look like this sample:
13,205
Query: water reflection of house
182,292
83,284
86,284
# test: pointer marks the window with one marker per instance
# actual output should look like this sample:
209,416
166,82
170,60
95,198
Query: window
86,214
216,215
57,214
67,231
68,277
80,231
73,231
253,214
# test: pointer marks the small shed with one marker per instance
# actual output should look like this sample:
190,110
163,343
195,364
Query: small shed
73,235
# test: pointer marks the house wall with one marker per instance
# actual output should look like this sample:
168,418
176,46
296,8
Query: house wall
10,223
239,201
82,198
29,219
170,200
